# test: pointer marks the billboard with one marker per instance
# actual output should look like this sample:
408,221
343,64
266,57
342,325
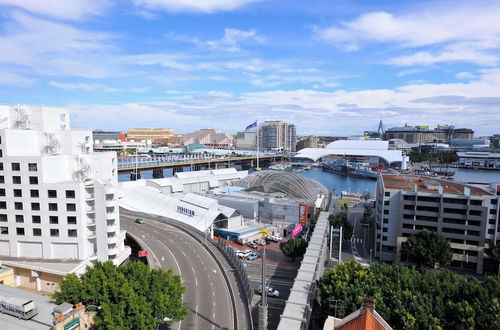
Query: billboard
296,230
303,214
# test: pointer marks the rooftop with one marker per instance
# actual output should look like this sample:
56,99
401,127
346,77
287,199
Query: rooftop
429,185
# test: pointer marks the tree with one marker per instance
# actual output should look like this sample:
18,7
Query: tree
494,253
367,213
411,299
293,248
130,297
340,220
427,248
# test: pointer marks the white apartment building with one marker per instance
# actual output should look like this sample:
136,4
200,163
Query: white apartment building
465,214
58,204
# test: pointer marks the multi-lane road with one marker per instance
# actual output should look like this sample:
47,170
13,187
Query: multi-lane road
214,302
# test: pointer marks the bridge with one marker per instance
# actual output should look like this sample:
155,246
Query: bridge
157,163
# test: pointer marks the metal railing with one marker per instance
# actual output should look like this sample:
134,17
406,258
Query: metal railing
222,247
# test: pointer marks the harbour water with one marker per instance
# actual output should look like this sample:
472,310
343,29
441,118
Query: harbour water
351,184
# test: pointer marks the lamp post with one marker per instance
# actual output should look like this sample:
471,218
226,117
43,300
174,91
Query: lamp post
263,304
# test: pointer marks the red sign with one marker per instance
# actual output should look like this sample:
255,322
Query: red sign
142,253
296,230
303,214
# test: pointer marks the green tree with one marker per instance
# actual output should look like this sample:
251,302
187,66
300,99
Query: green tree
427,248
411,299
367,213
130,297
340,220
293,248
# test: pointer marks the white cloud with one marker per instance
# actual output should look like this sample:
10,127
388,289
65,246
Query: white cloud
62,9
14,79
200,6
464,33
232,38
83,86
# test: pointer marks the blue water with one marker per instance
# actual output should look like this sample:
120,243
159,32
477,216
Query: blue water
350,184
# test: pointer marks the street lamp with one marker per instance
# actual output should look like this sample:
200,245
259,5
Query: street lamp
263,304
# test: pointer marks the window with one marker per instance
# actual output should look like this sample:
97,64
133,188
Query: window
2,179
32,167
36,219
475,212
54,220
4,230
387,194
19,218
18,193
1,166
54,232
386,220
16,166
71,220
52,193
33,180
386,211
20,231
476,202
70,207
384,238
386,202
3,205
70,194
3,217
1,153
494,201
384,230
2,192
37,232
72,232
35,206
18,205
34,193
52,206
16,180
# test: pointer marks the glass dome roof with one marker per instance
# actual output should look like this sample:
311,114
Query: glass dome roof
293,185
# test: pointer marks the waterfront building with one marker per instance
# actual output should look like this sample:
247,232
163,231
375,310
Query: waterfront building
308,142
479,159
423,134
211,138
117,146
246,140
376,153
277,134
58,208
100,136
467,215
469,144
153,135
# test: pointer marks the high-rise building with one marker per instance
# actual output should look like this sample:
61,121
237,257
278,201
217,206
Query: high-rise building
467,215
58,203
277,134
246,140
423,134
308,142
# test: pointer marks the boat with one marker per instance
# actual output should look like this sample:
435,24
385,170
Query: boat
344,167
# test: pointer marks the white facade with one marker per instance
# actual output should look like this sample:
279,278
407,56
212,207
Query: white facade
57,197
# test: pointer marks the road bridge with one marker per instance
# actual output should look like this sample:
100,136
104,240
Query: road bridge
146,164
213,295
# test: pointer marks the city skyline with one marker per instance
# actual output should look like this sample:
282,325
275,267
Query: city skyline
330,68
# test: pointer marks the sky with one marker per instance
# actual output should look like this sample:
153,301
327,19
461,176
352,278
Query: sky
331,67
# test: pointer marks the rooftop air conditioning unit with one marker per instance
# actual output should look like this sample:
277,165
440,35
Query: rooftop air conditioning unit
83,169
52,146
23,120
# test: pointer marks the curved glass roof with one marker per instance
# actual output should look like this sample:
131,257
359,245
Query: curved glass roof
293,185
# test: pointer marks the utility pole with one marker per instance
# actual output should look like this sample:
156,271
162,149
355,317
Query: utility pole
263,304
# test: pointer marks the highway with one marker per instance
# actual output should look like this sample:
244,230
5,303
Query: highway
207,295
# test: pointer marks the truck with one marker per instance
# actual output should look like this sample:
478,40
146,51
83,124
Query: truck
22,308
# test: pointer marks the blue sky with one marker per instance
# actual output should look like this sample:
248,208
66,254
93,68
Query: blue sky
332,67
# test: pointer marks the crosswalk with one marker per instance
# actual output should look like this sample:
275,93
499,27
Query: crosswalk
357,240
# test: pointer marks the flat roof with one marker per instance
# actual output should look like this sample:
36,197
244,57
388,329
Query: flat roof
423,184
53,266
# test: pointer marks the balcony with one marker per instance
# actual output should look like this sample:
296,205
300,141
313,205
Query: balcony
109,191
112,228
110,203
91,235
91,223
113,251
90,210
113,239
110,209
89,197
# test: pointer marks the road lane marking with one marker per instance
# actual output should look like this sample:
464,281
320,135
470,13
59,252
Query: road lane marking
196,281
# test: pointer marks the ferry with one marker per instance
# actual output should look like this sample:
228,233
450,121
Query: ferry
344,167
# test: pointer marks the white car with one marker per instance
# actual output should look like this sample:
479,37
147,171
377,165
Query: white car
260,241
270,291
275,238
244,253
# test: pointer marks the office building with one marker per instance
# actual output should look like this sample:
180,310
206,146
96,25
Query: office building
58,209
153,135
209,137
479,159
246,140
101,136
423,134
279,135
467,215
308,142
